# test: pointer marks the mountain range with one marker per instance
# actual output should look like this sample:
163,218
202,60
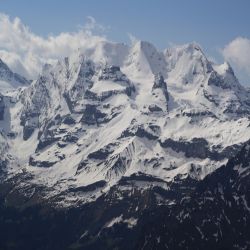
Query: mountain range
125,147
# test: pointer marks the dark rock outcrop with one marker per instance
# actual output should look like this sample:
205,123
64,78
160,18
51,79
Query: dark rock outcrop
70,137
154,108
45,142
101,154
199,148
113,73
69,120
89,188
28,131
159,83
92,115
42,164
2,107
141,131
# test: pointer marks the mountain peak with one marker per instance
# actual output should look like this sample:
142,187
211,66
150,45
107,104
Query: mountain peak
189,48
106,52
10,80
224,68
187,64
226,76
144,58
5,71
3,65
193,46
143,45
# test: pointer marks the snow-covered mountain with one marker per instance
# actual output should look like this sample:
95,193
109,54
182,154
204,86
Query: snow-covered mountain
139,147
116,111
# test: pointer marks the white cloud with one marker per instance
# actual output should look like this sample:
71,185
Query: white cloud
26,52
92,24
237,52
133,39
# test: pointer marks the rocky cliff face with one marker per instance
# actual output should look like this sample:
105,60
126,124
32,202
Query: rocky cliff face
2,107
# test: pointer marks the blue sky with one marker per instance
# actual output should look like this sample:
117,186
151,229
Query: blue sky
213,24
